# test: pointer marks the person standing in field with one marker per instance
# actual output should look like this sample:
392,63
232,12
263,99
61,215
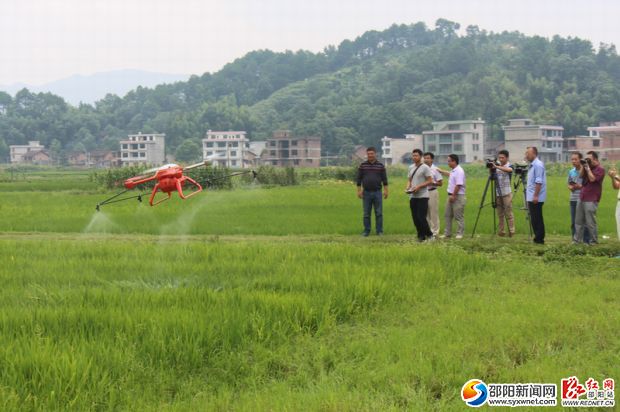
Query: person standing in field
433,194
585,217
371,176
615,183
575,183
536,193
420,178
455,206
503,194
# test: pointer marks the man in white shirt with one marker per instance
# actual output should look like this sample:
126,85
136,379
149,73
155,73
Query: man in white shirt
433,194
455,206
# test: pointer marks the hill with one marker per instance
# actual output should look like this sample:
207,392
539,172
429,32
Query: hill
382,83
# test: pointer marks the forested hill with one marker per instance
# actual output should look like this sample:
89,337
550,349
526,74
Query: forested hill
382,83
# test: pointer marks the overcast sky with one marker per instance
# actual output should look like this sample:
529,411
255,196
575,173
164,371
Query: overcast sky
45,40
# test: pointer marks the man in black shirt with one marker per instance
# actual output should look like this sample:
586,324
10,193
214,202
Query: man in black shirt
370,176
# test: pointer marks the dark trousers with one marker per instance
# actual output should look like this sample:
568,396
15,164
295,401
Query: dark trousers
419,209
573,212
538,223
373,199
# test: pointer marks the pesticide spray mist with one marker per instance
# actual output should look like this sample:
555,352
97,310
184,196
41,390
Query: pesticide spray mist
101,223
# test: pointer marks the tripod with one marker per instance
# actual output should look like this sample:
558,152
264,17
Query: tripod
519,181
495,189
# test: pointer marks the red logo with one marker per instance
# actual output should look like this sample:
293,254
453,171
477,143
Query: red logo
608,384
572,389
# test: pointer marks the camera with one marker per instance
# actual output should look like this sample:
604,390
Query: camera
491,163
520,168
585,161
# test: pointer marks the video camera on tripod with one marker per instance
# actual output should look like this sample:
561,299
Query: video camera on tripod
520,169
491,163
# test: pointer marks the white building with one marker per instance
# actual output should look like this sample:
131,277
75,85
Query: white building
398,150
521,133
17,152
226,149
144,148
464,138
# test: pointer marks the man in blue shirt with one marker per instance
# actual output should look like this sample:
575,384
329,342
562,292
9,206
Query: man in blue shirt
536,193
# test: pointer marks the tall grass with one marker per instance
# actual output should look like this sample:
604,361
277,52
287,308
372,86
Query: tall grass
326,207
97,323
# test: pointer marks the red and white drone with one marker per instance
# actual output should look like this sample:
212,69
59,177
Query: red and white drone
169,178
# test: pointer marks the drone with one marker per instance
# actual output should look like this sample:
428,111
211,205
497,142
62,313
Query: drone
170,178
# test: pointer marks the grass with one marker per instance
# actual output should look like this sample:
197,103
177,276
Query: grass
315,208
268,299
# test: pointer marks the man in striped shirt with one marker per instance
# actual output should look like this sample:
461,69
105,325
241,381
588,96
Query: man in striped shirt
371,176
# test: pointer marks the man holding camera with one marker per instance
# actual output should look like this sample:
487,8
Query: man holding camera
420,178
455,206
585,217
575,183
536,193
615,183
503,169
371,175
432,217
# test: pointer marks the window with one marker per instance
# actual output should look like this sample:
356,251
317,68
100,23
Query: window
475,127
209,144
142,154
596,143
294,143
221,144
458,148
458,137
454,126
432,148
272,153
293,152
475,157
209,153
124,146
234,144
151,138
233,163
134,154
125,154
475,147
445,148
134,147
142,146
274,163
445,139
233,153
476,135
272,143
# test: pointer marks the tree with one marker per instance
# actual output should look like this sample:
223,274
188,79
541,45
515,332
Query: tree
188,151
4,151
56,151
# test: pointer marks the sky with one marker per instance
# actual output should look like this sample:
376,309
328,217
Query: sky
46,40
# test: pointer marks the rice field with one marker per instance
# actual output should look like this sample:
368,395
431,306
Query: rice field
268,299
